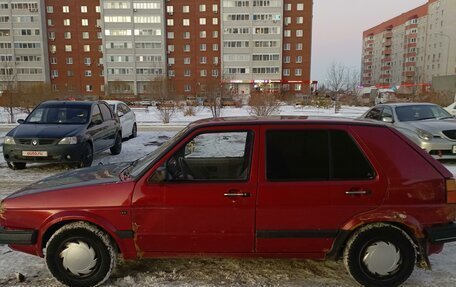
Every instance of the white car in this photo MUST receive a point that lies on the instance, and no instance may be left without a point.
(127, 118)
(451, 109)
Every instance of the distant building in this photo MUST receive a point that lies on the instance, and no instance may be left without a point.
(116, 48)
(410, 49)
(23, 46)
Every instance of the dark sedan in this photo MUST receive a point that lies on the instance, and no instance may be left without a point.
(63, 132)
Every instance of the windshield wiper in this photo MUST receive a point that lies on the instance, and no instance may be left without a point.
(445, 117)
(125, 174)
(428, 118)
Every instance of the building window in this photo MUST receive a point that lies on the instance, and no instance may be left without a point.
(299, 33)
(85, 35)
(215, 47)
(300, 6)
(187, 88)
(299, 46)
(298, 72)
(214, 21)
(186, 35)
(89, 88)
(87, 61)
(203, 73)
(69, 60)
(67, 35)
(203, 34)
(298, 59)
(53, 60)
(87, 73)
(66, 22)
(187, 48)
(50, 22)
(298, 87)
(170, 22)
(83, 9)
(186, 22)
(187, 73)
(50, 9)
(170, 35)
(85, 22)
(203, 47)
(186, 9)
(51, 36)
(66, 9)
(215, 8)
(187, 61)
(86, 48)
(68, 48)
(54, 73)
(202, 21)
(202, 8)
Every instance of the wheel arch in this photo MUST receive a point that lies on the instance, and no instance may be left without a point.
(55, 224)
(418, 240)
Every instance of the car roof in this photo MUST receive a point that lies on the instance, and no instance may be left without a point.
(283, 120)
(70, 103)
(114, 102)
(406, 104)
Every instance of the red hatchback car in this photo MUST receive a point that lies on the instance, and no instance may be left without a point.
(293, 187)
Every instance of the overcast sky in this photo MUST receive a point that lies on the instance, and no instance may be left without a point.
(338, 26)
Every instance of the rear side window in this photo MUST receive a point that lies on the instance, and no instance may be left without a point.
(106, 112)
(314, 155)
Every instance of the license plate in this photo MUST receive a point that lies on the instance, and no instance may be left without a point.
(454, 149)
(34, 153)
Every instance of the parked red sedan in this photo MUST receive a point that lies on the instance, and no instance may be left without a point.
(274, 187)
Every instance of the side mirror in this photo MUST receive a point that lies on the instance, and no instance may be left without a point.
(159, 176)
(120, 114)
(189, 148)
(96, 122)
(388, 120)
(21, 121)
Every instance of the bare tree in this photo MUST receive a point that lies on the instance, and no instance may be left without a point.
(212, 90)
(336, 77)
(352, 80)
(161, 90)
(263, 104)
(8, 79)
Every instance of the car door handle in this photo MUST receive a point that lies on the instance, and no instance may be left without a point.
(233, 193)
(358, 192)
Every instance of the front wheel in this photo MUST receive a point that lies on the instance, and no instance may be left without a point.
(117, 148)
(380, 255)
(86, 156)
(79, 254)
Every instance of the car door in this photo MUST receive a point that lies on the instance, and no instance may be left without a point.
(95, 129)
(109, 126)
(207, 202)
(127, 120)
(313, 180)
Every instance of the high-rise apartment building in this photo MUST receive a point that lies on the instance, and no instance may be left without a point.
(116, 48)
(411, 49)
(75, 51)
(133, 45)
(23, 46)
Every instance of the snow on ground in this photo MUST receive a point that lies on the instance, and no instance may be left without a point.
(199, 271)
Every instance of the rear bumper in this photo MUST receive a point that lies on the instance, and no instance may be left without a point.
(442, 234)
(18, 237)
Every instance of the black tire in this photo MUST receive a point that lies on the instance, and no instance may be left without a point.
(86, 156)
(16, 165)
(363, 247)
(134, 131)
(117, 147)
(95, 244)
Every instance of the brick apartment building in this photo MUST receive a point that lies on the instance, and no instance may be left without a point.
(92, 48)
(412, 48)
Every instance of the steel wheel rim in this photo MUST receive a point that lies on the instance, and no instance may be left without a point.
(381, 258)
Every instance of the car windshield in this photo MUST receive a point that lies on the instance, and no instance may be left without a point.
(142, 163)
(421, 112)
(59, 114)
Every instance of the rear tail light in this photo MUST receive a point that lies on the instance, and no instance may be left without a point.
(451, 190)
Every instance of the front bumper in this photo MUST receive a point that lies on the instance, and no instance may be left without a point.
(55, 153)
(18, 237)
(439, 148)
(442, 234)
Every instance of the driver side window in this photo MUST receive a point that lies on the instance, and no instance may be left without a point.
(221, 156)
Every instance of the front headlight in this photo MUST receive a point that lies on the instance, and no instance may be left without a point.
(69, 140)
(9, 140)
(424, 135)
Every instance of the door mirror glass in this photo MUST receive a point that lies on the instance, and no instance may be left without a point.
(120, 114)
(387, 120)
(21, 121)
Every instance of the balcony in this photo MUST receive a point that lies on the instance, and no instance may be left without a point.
(386, 68)
(386, 59)
(388, 34)
(387, 52)
(387, 43)
(409, 74)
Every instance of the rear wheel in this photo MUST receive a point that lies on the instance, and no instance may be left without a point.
(134, 131)
(16, 165)
(380, 255)
(80, 254)
(117, 148)
(86, 156)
